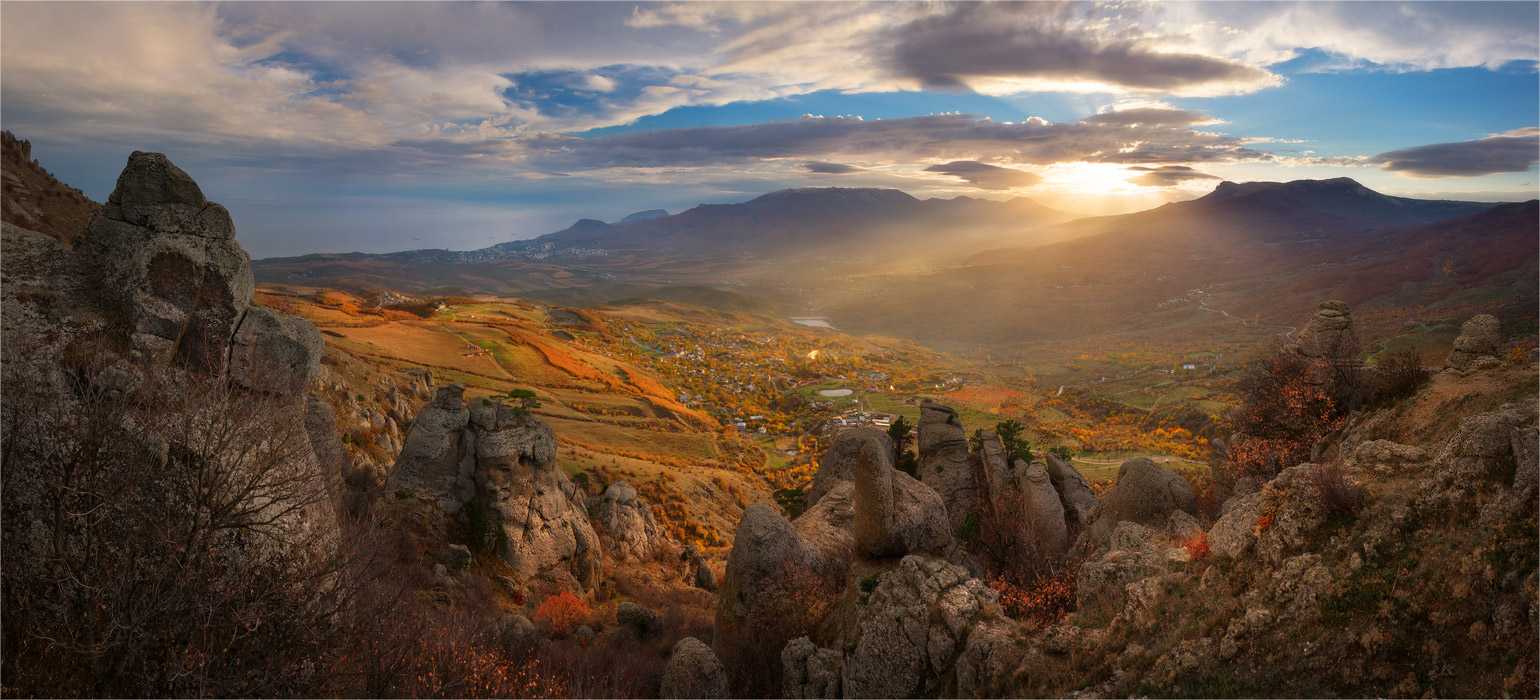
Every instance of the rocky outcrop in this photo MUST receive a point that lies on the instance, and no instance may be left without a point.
(1480, 341)
(275, 353)
(1235, 532)
(944, 464)
(1144, 493)
(326, 443)
(775, 582)
(910, 629)
(693, 671)
(1042, 520)
(1073, 489)
(642, 622)
(1385, 457)
(170, 267)
(503, 460)
(838, 465)
(895, 514)
(437, 458)
(1329, 332)
(633, 532)
(810, 672)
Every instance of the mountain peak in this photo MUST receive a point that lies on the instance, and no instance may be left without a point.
(1336, 185)
(644, 216)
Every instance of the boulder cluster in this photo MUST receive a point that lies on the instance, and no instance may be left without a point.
(873, 591)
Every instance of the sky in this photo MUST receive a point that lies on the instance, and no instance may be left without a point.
(383, 126)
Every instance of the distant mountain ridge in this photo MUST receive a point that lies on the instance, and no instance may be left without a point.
(789, 222)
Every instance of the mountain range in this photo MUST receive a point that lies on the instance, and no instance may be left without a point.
(983, 271)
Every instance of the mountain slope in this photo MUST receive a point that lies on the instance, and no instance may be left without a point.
(1259, 249)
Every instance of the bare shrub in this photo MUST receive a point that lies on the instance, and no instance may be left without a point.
(1400, 374)
(1338, 495)
(166, 534)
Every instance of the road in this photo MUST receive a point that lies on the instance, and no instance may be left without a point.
(1203, 303)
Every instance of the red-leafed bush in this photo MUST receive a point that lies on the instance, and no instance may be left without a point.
(1197, 547)
(561, 613)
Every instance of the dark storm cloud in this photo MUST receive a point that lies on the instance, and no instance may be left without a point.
(903, 140)
(985, 176)
(1047, 41)
(1510, 152)
(1168, 175)
(832, 168)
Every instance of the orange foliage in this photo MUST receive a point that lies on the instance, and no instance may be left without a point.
(1197, 547)
(1264, 522)
(560, 613)
(1045, 600)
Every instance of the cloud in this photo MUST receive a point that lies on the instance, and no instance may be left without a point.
(1400, 36)
(985, 176)
(1151, 116)
(823, 168)
(1051, 43)
(942, 137)
(1509, 152)
(1168, 175)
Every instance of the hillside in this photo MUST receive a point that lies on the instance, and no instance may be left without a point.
(34, 199)
(1255, 251)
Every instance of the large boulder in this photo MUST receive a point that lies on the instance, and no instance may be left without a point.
(1480, 340)
(838, 464)
(169, 265)
(438, 457)
(633, 532)
(911, 627)
(1329, 332)
(895, 514)
(944, 464)
(776, 587)
(1236, 531)
(1074, 490)
(1144, 493)
(275, 353)
(693, 671)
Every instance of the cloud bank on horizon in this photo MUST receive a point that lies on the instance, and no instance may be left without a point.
(473, 123)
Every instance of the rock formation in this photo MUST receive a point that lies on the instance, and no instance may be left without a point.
(693, 672)
(1144, 493)
(170, 267)
(503, 460)
(643, 622)
(1477, 347)
(838, 465)
(944, 464)
(275, 353)
(633, 533)
(1073, 489)
(907, 634)
(1329, 332)
(895, 514)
